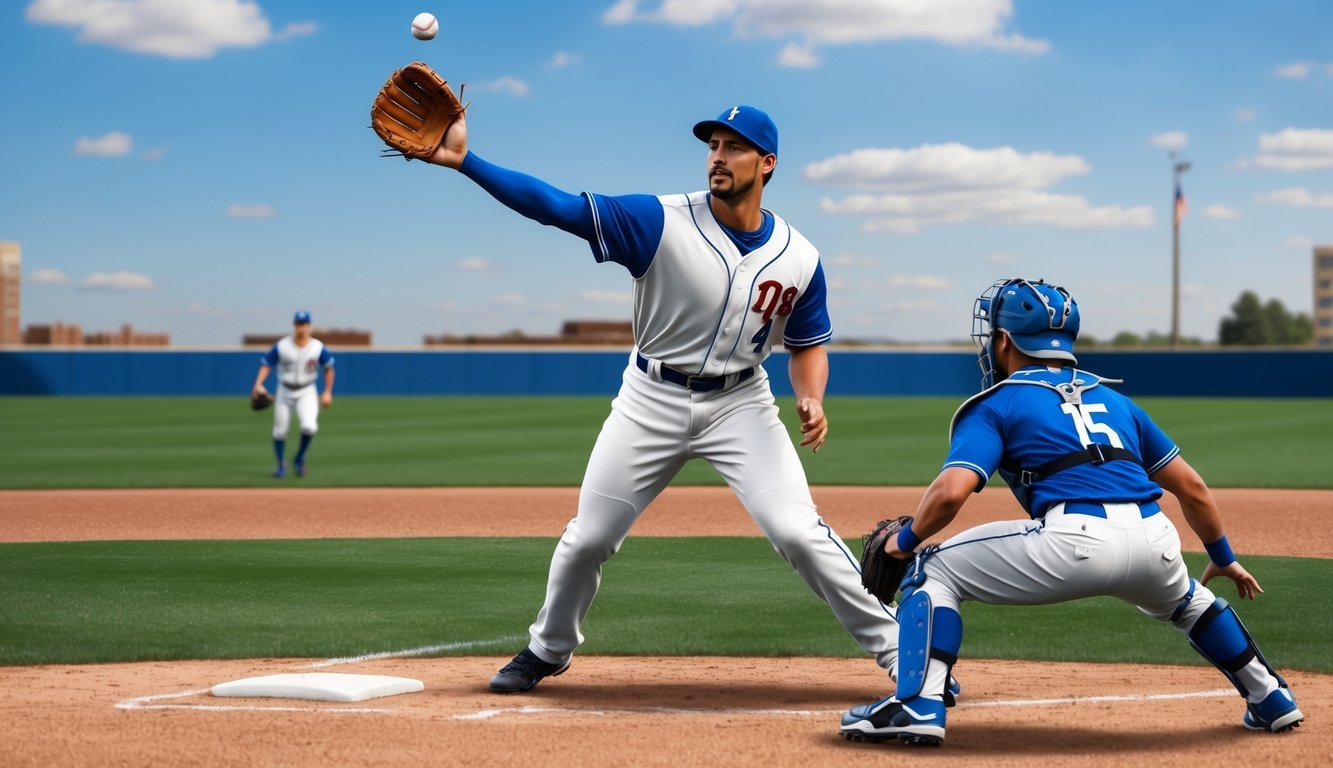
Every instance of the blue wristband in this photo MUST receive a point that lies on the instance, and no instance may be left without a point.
(908, 541)
(1220, 552)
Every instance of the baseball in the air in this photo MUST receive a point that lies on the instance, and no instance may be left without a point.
(424, 26)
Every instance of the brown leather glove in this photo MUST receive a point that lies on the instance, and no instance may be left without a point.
(260, 400)
(413, 111)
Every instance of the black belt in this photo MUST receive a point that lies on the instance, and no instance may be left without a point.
(691, 382)
(296, 386)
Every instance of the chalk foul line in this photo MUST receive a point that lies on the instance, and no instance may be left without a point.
(487, 714)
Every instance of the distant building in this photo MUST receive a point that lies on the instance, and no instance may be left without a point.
(71, 335)
(575, 333)
(11, 263)
(1323, 296)
(333, 337)
(57, 335)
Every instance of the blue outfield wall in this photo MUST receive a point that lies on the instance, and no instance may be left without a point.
(1190, 373)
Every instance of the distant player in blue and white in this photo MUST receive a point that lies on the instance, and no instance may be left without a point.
(717, 280)
(298, 359)
(1088, 465)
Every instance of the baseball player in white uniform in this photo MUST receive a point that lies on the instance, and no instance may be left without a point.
(298, 359)
(1088, 465)
(717, 281)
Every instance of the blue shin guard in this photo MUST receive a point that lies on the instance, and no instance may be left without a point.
(925, 634)
(1220, 637)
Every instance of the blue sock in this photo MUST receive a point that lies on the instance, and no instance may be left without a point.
(305, 443)
(279, 446)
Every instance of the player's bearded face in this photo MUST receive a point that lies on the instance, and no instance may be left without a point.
(733, 167)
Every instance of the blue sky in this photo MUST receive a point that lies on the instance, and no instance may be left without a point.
(204, 167)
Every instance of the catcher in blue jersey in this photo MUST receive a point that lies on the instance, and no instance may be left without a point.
(1088, 465)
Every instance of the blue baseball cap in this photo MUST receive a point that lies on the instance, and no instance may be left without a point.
(302, 316)
(753, 124)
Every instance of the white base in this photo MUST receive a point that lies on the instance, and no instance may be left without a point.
(319, 686)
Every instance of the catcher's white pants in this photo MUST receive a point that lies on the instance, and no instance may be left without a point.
(653, 428)
(306, 402)
(1067, 557)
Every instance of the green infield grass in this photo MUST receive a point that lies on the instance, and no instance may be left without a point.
(98, 442)
(132, 600)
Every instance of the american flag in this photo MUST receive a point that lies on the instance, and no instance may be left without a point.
(1182, 207)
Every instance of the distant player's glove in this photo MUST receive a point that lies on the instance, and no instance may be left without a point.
(881, 572)
(260, 400)
(413, 111)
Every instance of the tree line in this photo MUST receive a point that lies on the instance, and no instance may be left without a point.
(1252, 323)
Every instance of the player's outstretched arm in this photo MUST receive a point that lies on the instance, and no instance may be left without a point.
(1205, 519)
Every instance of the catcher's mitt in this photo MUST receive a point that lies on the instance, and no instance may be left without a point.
(881, 572)
(260, 400)
(413, 111)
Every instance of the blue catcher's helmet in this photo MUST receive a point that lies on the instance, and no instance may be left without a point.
(1041, 319)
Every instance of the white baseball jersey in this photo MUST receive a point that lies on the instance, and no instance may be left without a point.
(700, 305)
(297, 367)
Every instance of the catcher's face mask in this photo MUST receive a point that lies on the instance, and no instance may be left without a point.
(1041, 320)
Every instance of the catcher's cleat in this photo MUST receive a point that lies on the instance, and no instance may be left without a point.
(280, 472)
(524, 672)
(916, 721)
(1276, 713)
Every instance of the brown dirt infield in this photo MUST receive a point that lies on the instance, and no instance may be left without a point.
(610, 710)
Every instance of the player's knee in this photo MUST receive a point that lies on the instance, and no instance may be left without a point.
(309, 431)
(1193, 605)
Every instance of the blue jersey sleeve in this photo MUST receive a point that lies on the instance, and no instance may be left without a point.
(977, 443)
(1158, 449)
(325, 358)
(628, 230)
(531, 196)
(270, 359)
(809, 324)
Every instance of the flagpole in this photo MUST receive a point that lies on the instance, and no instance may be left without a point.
(1177, 201)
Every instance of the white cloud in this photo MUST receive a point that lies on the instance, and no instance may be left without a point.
(852, 260)
(116, 281)
(154, 153)
(563, 59)
(114, 144)
(180, 30)
(47, 277)
(920, 282)
(940, 184)
(797, 56)
(1170, 140)
(1220, 212)
(511, 85)
(261, 211)
(1245, 114)
(474, 265)
(509, 299)
(1294, 149)
(1298, 70)
(1296, 197)
(1299, 242)
(912, 306)
(966, 23)
(944, 167)
(606, 297)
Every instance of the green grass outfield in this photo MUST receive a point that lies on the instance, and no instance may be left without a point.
(133, 600)
(138, 442)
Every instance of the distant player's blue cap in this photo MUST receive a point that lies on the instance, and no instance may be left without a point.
(753, 124)
(301, 318)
